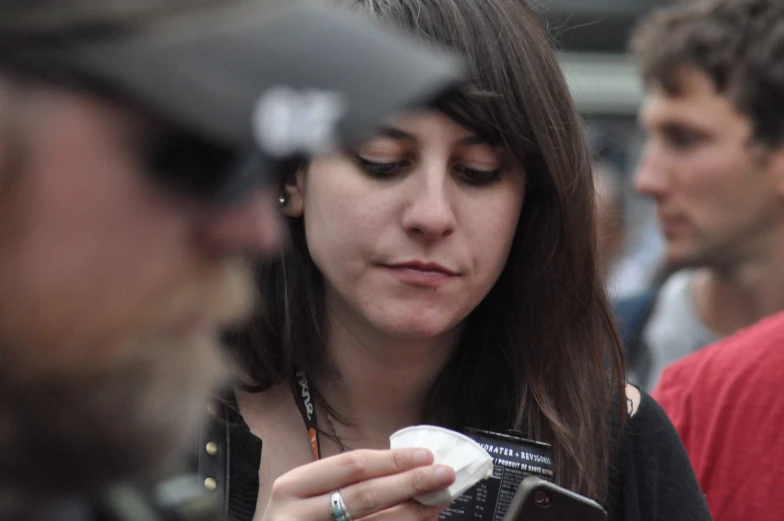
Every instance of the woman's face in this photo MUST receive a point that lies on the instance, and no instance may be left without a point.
(412, 229)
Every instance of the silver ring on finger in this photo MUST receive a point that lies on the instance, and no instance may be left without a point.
(338, 507)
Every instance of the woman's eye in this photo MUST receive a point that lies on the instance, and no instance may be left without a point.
(478, 177)
(381, 169)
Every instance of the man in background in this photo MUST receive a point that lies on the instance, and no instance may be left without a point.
(138, 143)
(714, 163)
(725, 400)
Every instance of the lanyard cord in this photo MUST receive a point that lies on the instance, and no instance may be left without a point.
(307, 409)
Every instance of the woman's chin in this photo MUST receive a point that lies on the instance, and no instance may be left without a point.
(416, 329)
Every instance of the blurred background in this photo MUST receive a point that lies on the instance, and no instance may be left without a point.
(593, 37)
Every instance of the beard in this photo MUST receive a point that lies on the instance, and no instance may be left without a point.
(121, 411)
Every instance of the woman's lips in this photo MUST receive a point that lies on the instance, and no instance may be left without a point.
(419, 273)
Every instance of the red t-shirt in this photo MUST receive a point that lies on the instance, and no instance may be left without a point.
(726, 402)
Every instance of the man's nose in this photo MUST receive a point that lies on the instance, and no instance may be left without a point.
(651, 176)
(255, 226)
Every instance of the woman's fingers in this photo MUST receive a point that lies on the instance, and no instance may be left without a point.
(324, 476)
(379, 494)
(408, 511)
(368, 497)
(371, 483)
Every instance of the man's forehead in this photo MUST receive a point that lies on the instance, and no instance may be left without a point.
(694, 100)
(688, 81)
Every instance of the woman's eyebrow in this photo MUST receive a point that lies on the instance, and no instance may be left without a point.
(396, 133)
(475, 139)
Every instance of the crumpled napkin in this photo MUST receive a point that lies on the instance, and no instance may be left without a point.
(469, 460)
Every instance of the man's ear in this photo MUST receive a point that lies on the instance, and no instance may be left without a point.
(293, 187)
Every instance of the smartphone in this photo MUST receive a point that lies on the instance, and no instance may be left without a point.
(540, 500)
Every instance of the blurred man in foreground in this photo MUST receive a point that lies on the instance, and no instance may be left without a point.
(138, 142)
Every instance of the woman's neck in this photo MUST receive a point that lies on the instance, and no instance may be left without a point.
(378, 385)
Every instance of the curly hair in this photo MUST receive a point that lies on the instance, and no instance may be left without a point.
(738, 44)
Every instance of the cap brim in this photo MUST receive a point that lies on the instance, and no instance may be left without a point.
(211, 74)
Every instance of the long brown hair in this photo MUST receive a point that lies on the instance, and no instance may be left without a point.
(536, 352)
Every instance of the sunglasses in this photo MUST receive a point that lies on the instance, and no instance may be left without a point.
(192, 166)
(176, 158)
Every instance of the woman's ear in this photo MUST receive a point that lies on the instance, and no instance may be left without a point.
(292, 198)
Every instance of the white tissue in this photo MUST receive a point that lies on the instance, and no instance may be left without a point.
(469, 460)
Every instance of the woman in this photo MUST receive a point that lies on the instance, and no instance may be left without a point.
(444, 272)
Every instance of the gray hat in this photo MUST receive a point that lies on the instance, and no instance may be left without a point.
(280, 77)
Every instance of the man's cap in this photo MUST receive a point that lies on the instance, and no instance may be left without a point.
(29, 18)
(286, 76)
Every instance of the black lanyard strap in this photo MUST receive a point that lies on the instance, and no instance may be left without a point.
(307, 408)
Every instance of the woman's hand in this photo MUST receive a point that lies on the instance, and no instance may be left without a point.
(375, 484)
